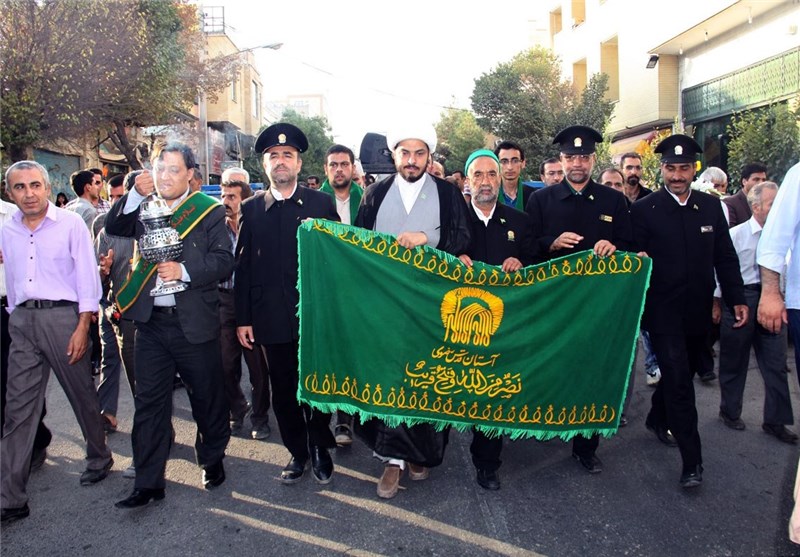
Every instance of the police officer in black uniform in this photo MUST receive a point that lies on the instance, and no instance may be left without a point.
(266, 294)
(575, 215)
(501, 235)
(685, 233)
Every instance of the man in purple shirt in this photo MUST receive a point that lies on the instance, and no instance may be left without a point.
(53, 288)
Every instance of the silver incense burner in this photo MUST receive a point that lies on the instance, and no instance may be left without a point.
(160, 242)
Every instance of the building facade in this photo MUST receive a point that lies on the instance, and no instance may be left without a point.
(695, 63)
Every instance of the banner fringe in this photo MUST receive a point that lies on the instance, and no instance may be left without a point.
(439, 425)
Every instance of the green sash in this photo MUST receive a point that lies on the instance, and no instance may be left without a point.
(355, 196)
(184, 218)
(519, 202)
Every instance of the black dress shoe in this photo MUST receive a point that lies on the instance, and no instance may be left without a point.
(213, 475)
(139, 498)
(321, 464)
(663, 434)
(294, 471)
(592, 464)
(732, 423)
(14, 513)
(692, 476)
(781, 432)
(488, 479)
(708, 376)
(90, 477)
(237, 426)
(623, 421)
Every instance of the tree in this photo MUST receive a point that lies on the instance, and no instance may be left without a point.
(651, 161)
(167, 76)
(316, 129)
(458, 135)
(527, 101)
(593, 109)
(52, 70)
(76, 68)
(769, 135)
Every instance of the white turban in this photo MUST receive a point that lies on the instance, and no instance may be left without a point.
(425, 133)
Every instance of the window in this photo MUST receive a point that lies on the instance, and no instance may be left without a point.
(256, 100)
(578, 12)
(609, 65)
(555, 22)
(579, 76)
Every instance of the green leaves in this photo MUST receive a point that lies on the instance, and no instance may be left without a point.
(458, 135)
(317, 130)
(769, 135)
(527, 100)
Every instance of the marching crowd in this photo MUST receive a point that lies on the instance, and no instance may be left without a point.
(232, 295)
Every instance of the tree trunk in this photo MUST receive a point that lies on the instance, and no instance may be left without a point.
(19, 153)
(119, 136)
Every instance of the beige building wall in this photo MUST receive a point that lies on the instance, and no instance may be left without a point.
(696, 41)
(241, 103)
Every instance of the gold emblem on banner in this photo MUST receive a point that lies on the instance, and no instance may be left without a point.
(471, 316)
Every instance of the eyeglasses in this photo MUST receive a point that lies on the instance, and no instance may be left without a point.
(514, 162)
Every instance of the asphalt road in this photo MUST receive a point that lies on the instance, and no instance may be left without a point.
(548, 504)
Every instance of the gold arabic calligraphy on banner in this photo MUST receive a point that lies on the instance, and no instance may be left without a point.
(451, 268)
(413, 400)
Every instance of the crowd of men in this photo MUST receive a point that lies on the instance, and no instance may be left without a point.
(232, 295)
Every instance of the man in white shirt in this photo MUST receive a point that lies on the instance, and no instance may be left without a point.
(6, 210)
(43, 434)
(780, 235)
(735, 343)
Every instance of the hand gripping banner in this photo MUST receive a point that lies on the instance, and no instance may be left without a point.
(415, 336)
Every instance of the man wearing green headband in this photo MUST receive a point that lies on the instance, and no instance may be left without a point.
(501, 236)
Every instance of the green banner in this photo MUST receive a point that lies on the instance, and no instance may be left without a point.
(415, 336)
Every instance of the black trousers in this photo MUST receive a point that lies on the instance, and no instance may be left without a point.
(486, 451)
(301, 426)
(232, 353)
(161, 350)
(673, 402)
(585, 446)
(734, 359)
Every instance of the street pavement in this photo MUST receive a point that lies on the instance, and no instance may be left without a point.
(548, 504)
